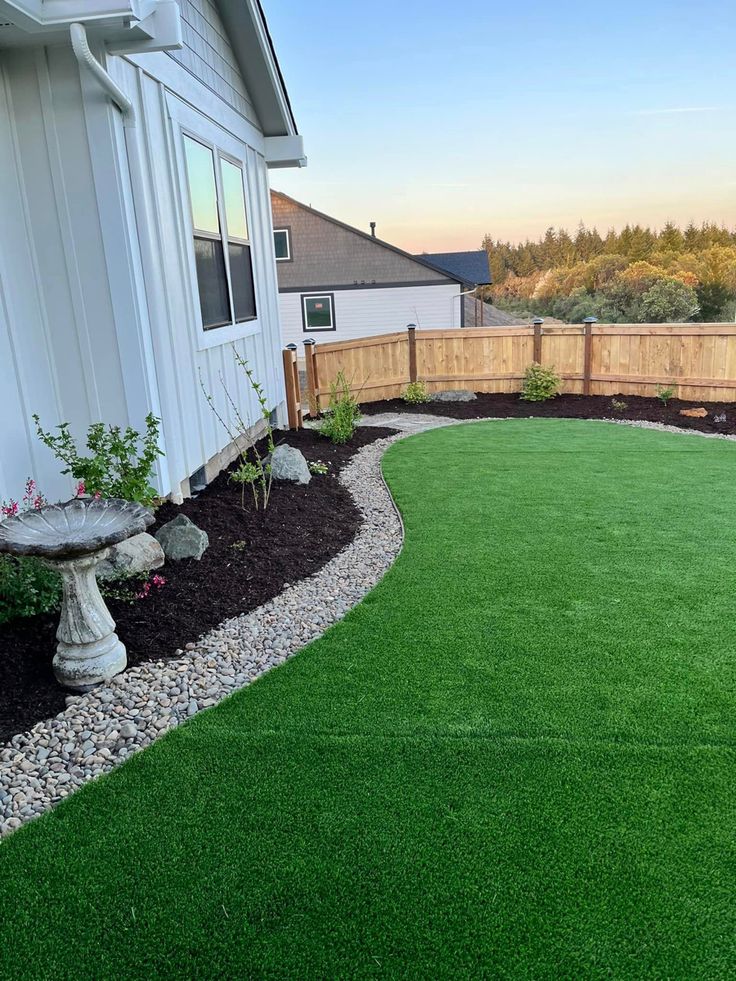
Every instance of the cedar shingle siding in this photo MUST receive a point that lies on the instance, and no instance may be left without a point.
(325, 253)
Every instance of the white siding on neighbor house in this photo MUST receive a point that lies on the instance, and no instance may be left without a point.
(87, 333)
(364, 312)
(208, 54)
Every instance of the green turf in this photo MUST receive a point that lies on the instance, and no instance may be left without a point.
(515, 759)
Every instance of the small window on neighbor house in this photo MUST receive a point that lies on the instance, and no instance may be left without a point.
(221, 241)
(282, 244)
(318, 312)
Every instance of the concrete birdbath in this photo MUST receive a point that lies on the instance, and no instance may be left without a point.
(73, 538)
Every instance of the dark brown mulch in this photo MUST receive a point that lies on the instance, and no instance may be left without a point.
(574, 407)
(303, 528)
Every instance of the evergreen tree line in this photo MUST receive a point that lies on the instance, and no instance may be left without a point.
(636, 275)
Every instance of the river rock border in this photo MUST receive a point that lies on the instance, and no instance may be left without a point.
(100, 730)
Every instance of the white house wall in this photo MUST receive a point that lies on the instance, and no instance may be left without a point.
(365, 312)
(89, 331)
(57, 315)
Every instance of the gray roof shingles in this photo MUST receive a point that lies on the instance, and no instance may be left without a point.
(470, 267)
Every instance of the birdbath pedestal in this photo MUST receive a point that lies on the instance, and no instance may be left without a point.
(73, 538)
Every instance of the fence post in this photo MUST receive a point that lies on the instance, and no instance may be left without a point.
(293, 393)
(537, 339)
(412, 332)
(588, 353)
(312, 381)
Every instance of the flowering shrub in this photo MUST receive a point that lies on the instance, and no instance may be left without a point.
(120, 461)
(416, 393)
(131, 588)
(27, 586)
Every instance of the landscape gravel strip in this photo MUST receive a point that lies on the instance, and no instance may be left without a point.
(101, 729)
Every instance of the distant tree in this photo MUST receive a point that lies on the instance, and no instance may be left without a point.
(670, 239)
(669, 301)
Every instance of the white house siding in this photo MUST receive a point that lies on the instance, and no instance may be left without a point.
(208, 54)
(364, 312)
(57, 326)
(79, 315)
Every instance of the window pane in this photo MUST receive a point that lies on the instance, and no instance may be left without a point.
(213, 298)
(281, 244)
(318, 312)
(202, 189)
(232, 189)
(241, 274)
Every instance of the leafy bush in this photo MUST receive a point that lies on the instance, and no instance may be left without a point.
(343, 413)
(540, 383)
(665, 394)
(253, 470)
(618, 405)
(120, 463)
(416, 393)
(27, 587)
(669, 301)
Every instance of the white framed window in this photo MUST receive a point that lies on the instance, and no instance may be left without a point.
(318, 312)
(222, 245)
(282, 244)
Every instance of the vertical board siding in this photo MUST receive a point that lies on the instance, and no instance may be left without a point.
(208, 55)
(697, 360)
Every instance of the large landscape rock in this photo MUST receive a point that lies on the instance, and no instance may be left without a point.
(288, 463)
(456, 395)
(138, 554)
(182, 539)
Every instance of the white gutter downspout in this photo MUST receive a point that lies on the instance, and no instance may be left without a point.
(141, 205)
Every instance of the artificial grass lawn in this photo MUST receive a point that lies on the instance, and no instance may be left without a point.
(514, 759)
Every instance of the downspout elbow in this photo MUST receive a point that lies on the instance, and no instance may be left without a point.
(83, 54)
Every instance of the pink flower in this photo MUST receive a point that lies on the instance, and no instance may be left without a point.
(9, 509)
(97, 495)
(81, 488)
(144, 592)
(158, 581)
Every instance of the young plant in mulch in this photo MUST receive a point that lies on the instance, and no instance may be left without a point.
(252, 471)
(665, 394)
(618, 405)
(27, 585)
(130, 589)
(416, 393)
(540, 383)
(343, 413)
(119, 462)
(318, 467)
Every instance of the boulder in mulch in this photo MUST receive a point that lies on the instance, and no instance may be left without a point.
(138, 554)
(289, 463)
(455, 395)
(182, 539)
(700, 413)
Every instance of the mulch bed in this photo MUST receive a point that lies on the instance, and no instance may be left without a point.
(252, 555)
(574, 407)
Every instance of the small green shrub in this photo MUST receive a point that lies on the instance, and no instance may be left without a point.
(618, 405)
(318, 467)
(343, 414)
(540, 383)
(665, 394)
(27, 587)
(416, 393)
(120, 462)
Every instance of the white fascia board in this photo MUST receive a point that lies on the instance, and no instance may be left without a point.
(285, 151)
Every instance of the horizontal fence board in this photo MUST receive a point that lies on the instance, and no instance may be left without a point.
(697, 360)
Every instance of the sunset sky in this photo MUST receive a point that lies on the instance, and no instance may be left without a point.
(444, 122)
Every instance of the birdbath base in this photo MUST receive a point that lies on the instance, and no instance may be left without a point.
(89, 651)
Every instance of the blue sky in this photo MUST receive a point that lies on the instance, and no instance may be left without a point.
(444, 121)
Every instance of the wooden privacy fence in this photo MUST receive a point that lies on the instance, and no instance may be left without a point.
(698, 360)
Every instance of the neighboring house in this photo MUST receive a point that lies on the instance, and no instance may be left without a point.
(337, 282)
(135, 225)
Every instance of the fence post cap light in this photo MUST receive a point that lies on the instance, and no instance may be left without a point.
(590, 320)
(538, 321)
(410, 325)
(309, 340)
(291, 347)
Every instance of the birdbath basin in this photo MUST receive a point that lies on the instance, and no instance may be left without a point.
(73, 538)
